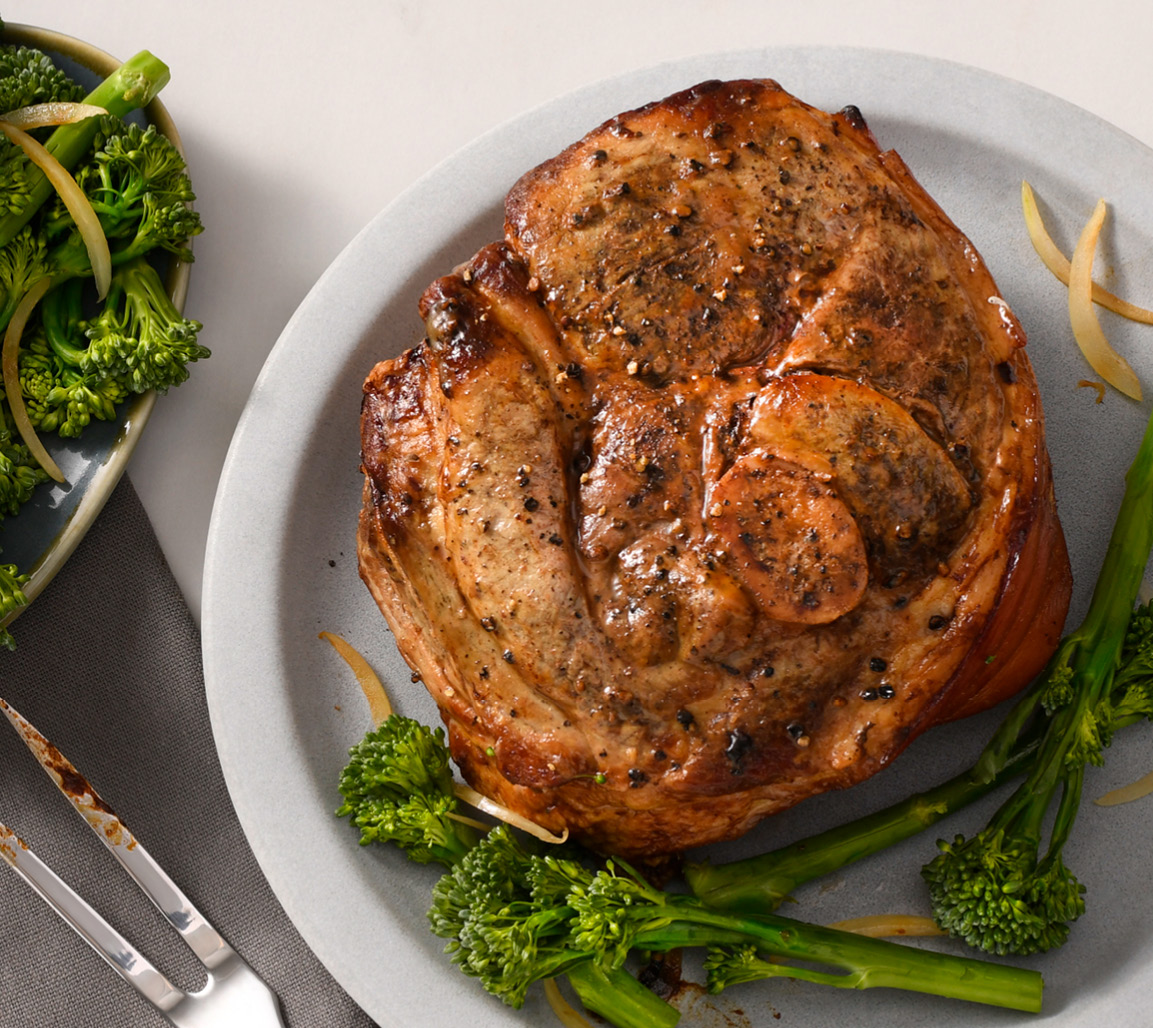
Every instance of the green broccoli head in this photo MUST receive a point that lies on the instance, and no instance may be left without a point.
(39, 372)
(552, 879)
(138, 185)
(1059, 690)
(140, 338)
(397, 787)
(398, 759)
(23, 263)
(20, 473)
(19, 476)
(735, 965)
(73, 401)
(12, 598)
(614, 908)
(1132, 696)
(27, 76)
(57, 396)
(992, 892)
(502, 909)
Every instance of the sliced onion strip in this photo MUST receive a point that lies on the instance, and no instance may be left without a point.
(10, 362)
(1104, 360)
(565, 1012)
(475, 799)
(882, 926)
(464, 819)
(1052, 257)
(74, 199)
(1127, 793)
(379, 705)
(56, 112)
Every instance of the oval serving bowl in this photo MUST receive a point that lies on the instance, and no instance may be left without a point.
(50, 526)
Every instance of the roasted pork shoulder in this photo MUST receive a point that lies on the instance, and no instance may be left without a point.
(716, 482)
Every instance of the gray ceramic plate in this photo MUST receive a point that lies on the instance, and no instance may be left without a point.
(50, 526)
(281, 564)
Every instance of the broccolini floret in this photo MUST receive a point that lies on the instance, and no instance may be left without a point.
(138, 185)
(59, 394)
(19, 476)
(11, 599)
(72, 371)
(1131, 697)
(131, 86)
(139, 338)
(24, 262)
(397, 788)
(19, 472)
(27, 76)
(514, 912)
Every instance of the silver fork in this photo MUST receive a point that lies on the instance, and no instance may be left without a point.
(234, 996)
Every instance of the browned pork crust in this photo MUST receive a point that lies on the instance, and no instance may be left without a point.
(714, 484)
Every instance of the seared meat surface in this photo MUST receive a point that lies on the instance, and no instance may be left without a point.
(716, 482)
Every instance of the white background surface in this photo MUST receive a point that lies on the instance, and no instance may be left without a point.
(302, 120)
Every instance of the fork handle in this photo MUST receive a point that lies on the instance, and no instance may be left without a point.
(119, 953)
(204, 940)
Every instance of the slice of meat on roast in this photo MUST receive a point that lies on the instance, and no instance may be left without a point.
(716, 482)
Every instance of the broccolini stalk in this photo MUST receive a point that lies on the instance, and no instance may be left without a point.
(133, 85)
(513, 917)
(759, 884)
(999, 890)
(619, 998)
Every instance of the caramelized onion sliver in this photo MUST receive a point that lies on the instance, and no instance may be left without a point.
(55, 112)
(379, 705)
(472, 822)
(1127, 793)
(1052, 257)
(565, 1012)
(10, 363)
(1104, 360)
(881, 926)
(87, 223)
(475, 799)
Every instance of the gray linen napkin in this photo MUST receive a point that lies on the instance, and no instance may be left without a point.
(108, 667)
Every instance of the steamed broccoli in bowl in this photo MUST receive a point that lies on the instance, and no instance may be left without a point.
(82, 356)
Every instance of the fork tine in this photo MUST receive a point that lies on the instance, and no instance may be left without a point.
(200, 936)
(119, 953)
